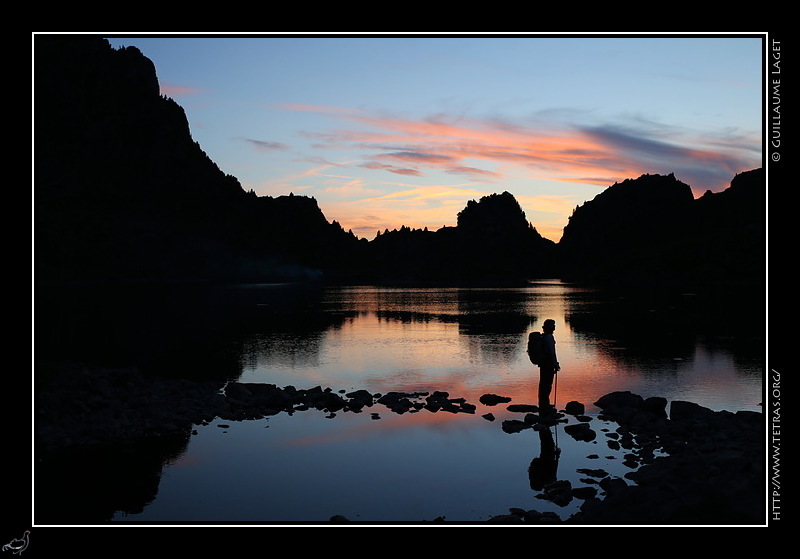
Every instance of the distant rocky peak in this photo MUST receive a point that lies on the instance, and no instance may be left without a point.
(648, 189)
(496, 211)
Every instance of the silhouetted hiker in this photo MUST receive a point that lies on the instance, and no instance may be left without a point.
(548, 366)
(543, 468)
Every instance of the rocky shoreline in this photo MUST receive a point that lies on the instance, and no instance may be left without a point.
(695, 466)
(710, 470)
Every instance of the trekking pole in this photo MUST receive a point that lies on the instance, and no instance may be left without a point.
(555, 394)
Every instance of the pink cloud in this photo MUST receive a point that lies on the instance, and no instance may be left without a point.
(599, 155)
(391, 168)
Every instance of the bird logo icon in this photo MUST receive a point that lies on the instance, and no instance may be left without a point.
(18, 545)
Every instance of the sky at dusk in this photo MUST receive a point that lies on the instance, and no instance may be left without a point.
(391, 131)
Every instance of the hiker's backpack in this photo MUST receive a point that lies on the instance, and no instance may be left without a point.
(535, 347)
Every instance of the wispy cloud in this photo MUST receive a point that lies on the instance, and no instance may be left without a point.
(374, 165)
(593, 153)
(265, 145)
(702, 160)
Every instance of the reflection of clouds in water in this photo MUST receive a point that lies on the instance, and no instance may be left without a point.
(472, 341)
(713, 376)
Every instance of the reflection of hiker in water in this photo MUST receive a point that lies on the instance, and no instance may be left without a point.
(543, 468)
(542, 351)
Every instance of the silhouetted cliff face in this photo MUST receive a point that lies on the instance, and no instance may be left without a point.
(493, 243)
(730, 228)
(123, 192)
(652, 230)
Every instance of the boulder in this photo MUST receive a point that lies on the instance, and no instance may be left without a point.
(514, 425)
(655, 405)
(575, 408)
(524, 408)
(619, 402)
(359, 399)
(681, 411)
(493, 399)
(580, 432)
(558, 492)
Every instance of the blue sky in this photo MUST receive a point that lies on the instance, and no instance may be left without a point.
(390, 131)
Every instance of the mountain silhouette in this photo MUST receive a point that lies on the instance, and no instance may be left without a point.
(492, 243)
(652, 230)
(123, 193)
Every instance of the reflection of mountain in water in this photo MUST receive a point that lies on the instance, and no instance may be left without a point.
(91, 485)
(492, 321)
(495, 321)
(173, 330)
(159, 329)
(214, 331)
(476, 311)
(667, 325)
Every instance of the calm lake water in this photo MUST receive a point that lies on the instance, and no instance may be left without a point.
(412, 467)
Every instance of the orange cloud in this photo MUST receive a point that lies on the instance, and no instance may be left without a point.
(475, 148)
(414, 206)
(598, 154)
